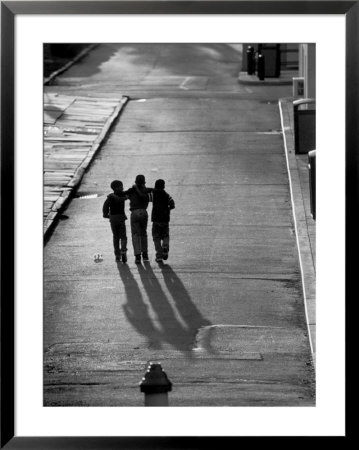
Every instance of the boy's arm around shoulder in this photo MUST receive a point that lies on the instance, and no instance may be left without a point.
(147, 194)
(136, 188)
(127, 193)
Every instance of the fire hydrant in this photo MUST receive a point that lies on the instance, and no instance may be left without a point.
(155, 386)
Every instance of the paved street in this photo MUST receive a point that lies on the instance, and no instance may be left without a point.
(225, 314)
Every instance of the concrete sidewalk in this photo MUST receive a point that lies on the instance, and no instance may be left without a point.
(74, 129)
(304, 223)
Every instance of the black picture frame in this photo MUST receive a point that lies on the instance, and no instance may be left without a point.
(9, 9)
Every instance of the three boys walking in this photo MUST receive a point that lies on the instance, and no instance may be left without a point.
(139, 196)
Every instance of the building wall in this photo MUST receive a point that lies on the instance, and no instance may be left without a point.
(289, 56)
(307, 68)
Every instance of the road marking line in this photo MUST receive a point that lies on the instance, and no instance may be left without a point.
(182, 85)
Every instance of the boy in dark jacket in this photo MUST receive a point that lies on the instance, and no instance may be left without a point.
(162, 205)
(114, 209)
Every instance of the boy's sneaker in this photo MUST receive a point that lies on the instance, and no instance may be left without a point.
(138, 259)
(117, 258)
(124, 257)
(145, 256)
(158, 260)
(165, 253)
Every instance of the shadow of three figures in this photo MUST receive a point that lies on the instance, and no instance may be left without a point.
(174, 322)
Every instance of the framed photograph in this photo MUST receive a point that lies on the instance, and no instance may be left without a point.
(228, 312)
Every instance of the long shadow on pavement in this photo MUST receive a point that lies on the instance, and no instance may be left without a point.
(136, 309)
(173, 332)
(184, 304)
(167, 328)
(180, 336)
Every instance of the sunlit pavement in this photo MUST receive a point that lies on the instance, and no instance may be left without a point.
(225, 314)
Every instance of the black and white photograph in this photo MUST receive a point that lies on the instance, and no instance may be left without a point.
(169, 238)
(179, 224)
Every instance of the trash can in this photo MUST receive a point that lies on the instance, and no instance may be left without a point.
(271, 53)
(312, 168)
(304, 125)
